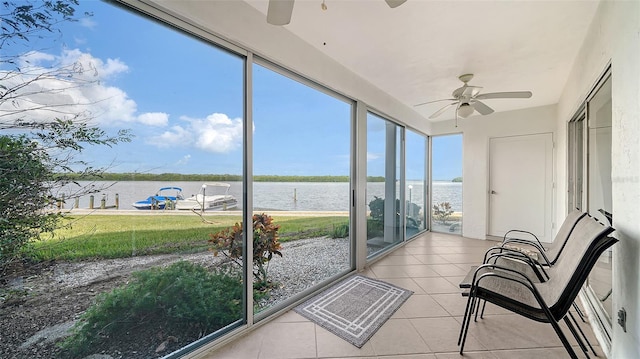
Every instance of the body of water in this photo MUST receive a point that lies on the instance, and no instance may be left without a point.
(281, 196)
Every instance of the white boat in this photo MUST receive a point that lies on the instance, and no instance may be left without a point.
(212, 197)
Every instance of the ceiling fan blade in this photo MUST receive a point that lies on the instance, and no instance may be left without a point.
(428, 102)
(471, 91)
(514, 94)
(442, 110)
(481, 108)
(279, 12)
(395, 3)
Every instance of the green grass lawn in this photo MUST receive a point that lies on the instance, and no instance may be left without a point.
(119, 236)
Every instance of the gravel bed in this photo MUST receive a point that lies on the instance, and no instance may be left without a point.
(305, 263)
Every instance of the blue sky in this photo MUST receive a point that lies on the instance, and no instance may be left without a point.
(183, 101)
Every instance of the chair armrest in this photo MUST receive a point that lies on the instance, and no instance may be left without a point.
(535, 266)
(506, 236)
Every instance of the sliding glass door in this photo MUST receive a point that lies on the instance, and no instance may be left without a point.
(590, 190)
(446, 183)
(302, 184)
(385, 215)
(416, 183)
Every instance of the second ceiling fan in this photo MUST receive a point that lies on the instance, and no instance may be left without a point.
(279, 11)
(466, 99)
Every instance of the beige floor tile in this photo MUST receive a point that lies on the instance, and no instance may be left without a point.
(441, 334)
(290, 317)
(464, 258)
(409, 356)
(422, 306)
(445, 250)
(288, 340)
(406, 283)
(513, 331)
(437, 285)
(246, 347)
(398, 260)
(537, 353)
(420, 270)
(453, 303)
(396, 337)
(330, 345)
(447, 270)
(471, 355)
(430, 258)
(455, 280)
(382, 271)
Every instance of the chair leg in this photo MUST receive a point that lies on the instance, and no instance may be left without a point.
(484, 305)
(464, 329)
(563, 338)
(582, 333)
(468, 312)
(573, 331)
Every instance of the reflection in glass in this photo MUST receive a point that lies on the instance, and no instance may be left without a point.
(599, 189)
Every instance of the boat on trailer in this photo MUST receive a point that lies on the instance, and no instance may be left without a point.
(212, 197)
(165, 198)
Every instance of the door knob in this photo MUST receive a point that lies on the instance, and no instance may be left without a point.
(493, 192)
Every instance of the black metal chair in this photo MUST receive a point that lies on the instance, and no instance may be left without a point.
(547, 301)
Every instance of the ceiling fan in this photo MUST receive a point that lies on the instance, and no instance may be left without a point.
(279, 11)
(467, 98)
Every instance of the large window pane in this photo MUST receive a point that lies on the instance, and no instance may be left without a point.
(416, 172)
(384, 224)
(301, 166)
(599, 190)
(446, 186)
(136, 283)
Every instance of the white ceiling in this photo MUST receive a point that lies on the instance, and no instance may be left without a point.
(416, 52)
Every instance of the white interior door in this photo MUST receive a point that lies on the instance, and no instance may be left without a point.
(521, 184)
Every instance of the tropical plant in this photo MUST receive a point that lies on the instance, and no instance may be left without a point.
(265, 245)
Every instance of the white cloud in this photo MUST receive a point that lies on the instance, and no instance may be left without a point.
(372, 156)
(82, 87)
(216, 133)
(154, 119)
(184, 160)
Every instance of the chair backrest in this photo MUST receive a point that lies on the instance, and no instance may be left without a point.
(560, 241)
(588, 240)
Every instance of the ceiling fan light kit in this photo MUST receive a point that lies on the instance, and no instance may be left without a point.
(466, 99)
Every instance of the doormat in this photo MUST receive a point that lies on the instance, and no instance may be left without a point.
(355, 308)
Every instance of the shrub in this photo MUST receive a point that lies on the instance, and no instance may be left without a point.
(265, 245)
(376, 206)
(182, 299)
(25, 192)
(442, 211)
(340, 231)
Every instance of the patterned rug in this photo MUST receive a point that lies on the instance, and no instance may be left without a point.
(355, 308)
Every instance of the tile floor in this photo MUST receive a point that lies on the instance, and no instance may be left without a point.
(425, 327)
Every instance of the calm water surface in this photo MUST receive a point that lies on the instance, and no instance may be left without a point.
(282, 196)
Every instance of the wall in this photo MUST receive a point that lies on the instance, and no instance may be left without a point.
(614, 37)
(477, 130)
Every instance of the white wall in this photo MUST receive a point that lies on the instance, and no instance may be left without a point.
(614, 37)
(476, 132)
